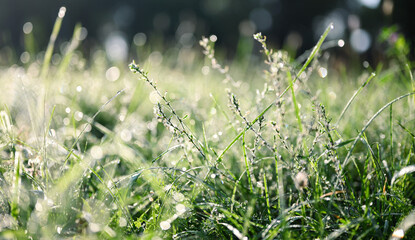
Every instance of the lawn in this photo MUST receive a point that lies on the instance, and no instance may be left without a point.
(183, 146)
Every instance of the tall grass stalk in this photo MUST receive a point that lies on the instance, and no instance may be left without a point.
(354, 96)
(136, 69)
(51, 44)
(248, 171)
(267, 197)
(297, 111)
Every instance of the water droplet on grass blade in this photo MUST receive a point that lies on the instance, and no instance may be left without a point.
(27, 27)
(180, 208)
(78, 116)
(178, 197)
(126, 135)
(96, 152)
(322, 72)
(213, 38)
(165, 225)
(122, 222)
(25, 57)
(94, 227)
(62, 12)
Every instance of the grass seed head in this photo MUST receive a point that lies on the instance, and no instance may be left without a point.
(301, 180)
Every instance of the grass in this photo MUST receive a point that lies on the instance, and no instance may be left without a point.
(240, 153)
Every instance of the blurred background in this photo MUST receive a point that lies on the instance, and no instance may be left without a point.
(118, 26)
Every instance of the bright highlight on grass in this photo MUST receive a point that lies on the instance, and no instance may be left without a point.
(165, 225)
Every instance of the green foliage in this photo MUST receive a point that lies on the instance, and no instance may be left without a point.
(83, 157)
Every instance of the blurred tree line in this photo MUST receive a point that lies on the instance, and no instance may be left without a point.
(292, 24)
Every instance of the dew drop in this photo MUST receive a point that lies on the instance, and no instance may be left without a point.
(62, 12)
(25, 57)
(66, 121)
(165, 225)
(322, 72)
(96, 152)
(27, 27)
(94, 227)
(180, 208)
(213, 38)
(78, 116)
(126, 135)
(178, 197)
(122, 222)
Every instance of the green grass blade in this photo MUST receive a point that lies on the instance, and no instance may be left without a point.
(346, 160)
(116, 197)
(72, 47)
(43, 171)
(391, 133)
(313, 53)
(16, 185)
(297, 111)
(353, 97)
(51, 44)
(70, 151)
(267, 198)
(247, 164)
